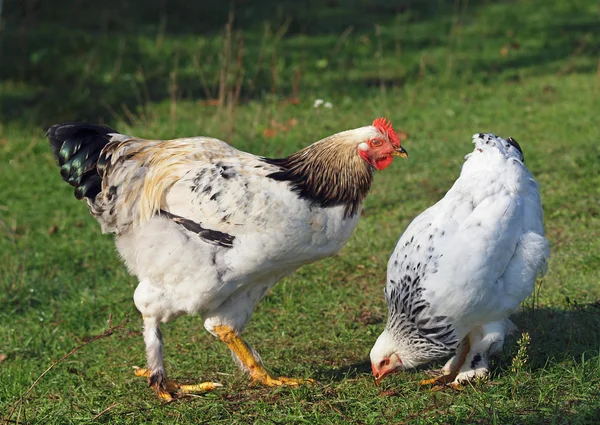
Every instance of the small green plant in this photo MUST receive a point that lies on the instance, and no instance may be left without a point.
(519, 361)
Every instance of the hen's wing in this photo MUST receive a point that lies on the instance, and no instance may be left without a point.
(138, 176)
(205, 185)
(232, 194)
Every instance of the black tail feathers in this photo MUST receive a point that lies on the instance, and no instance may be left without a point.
(77, 146)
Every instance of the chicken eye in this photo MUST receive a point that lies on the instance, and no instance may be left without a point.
(376, 142)
(384, 362)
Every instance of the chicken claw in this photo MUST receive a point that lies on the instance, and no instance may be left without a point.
(439, 380)
(171, 390)
(269, 381)
(454, 385)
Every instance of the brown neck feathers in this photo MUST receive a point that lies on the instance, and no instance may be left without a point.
(328, 173)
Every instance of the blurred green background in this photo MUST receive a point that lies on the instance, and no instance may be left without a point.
(88, 60)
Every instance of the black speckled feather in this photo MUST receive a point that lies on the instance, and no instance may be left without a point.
(222, 239)
(408, 309)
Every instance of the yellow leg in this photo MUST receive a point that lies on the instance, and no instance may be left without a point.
(447, 378)
(170, 389)
(254, 366)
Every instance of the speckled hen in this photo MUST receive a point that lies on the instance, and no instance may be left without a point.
(208, 229)
(463, 266)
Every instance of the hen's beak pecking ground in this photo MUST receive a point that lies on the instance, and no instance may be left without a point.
(401, 152)
(385, 367)
(380, 374)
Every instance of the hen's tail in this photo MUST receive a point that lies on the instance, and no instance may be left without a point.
(77, 146)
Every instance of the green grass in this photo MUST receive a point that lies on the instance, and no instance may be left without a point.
(441, 76)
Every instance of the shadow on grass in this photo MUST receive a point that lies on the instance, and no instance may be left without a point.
(342, 373)
(559, 335)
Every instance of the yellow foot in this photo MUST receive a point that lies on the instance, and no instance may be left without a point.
(269, 381)
(438, 380)
(454, 385)
(441, 382)
(169, 390)
(446, 377)
(141, 371)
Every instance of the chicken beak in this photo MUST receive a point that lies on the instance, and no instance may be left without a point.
(377, 375)
(401, 152)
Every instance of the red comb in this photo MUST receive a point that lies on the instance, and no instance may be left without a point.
(384, 126)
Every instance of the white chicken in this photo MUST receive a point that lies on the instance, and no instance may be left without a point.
(463, 266)
(208, 229)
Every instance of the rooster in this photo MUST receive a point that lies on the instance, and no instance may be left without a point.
(208, 229)
(463, 266)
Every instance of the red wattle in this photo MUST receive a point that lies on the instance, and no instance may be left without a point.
(382, 163)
